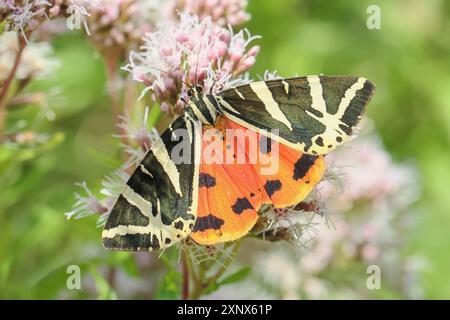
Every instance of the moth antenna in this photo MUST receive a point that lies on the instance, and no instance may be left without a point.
(196, 65)
(196, 71)
(166, 72)
(212, 86)
(183, 99)
(187, 83)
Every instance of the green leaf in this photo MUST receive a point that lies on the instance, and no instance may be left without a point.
(2, 27)
(169, 288)
(155, 112)
(212, 287)
(13, 154)
(103, 158)
(124, 260)
(170, 258)
(236, 277)
(104, 290)
(233, 278)
(170, 285)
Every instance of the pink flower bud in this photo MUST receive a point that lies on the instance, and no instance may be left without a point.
(210, 4)
(165, 107)
(217, 12)
(192, 50)
(54, 11)
(253, 51)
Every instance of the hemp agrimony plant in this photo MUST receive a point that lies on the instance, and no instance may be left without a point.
(150, 49)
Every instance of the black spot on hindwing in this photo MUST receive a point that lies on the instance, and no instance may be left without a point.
(272, 186)
(206, 180)
(208, 222)
(302, 166)
(240, 205)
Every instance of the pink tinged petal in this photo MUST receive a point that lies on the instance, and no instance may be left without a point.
(217, 12)
(196, 77)
(169, 84)
(165, 107)
(220, 50)
(236, 51)
(224, 36)
(370, 252)
(245, 64)
(181, 37)
(233, 20)
(253, 51)
(166, 50)
(54, 11)
(180, 104)
(369, 231)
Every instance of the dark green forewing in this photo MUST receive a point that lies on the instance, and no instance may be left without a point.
(158, 205)
(314, 114)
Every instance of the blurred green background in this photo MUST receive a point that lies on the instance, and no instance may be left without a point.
(408, 60)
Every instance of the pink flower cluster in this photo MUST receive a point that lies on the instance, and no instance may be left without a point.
(222, 12)
(190, 50)
(23, 15)
(370, 175)
(117, 26)
(27, 15)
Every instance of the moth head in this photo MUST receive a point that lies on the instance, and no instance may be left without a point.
(195, 92)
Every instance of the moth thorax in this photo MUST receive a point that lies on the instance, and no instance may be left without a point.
(205, 108)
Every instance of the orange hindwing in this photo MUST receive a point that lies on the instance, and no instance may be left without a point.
(261, 171)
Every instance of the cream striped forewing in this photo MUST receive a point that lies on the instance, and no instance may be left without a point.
(313, 114)
(158, 204)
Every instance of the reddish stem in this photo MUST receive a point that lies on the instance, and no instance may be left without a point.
(185, 289)
(113, 78)
(111, 277)
(22, 43)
